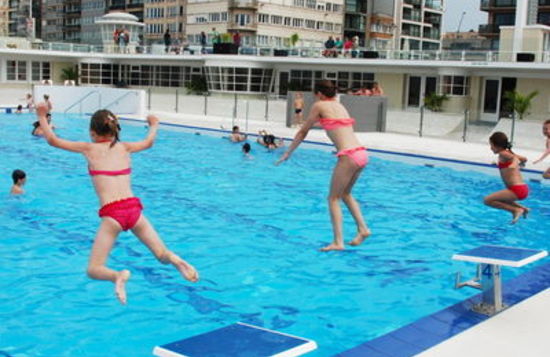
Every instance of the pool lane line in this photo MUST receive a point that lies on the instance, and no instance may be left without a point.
(379, 151)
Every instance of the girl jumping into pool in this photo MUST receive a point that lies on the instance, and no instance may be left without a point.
(109, 167)
(352, 158)
(509, 165)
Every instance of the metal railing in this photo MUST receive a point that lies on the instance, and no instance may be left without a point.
(79, 101)
(302, 52)
(117, 100)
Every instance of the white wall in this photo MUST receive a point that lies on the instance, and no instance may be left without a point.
(119, 101)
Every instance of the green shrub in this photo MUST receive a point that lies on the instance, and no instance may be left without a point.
(434, 101)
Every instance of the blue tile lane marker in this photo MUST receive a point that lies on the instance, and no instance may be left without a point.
(238, 340)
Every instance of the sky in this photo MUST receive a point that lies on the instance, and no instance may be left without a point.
(472, 18)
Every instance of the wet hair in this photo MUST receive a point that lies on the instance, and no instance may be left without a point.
(269, 139)
(19, 107)
(500, 140)
(235, 128)
(326, 88)
(246, 148)
(105, 123)
(17, 175)
(46, 96)
(546, 122)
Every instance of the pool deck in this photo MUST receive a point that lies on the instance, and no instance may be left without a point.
(527, 324)
(521, 330)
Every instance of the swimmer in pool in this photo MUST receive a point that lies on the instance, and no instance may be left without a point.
(546, 133)
(352, 159)
(109, 167)
(236, 136)
(19, 179)
(509, 165)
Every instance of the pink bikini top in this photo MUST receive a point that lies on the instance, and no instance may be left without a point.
(331, 124)
(110, 172)
(504, 164)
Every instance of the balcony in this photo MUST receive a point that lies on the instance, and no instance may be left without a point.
(497, 4)
(243, 4)
(411, 32)
(434, 20)
(232, 25)
(432, 34)
(412, 16)
(413, 2)
(433, 5)
(489, 29)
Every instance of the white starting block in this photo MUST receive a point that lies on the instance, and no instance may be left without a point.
(489, 259)
(238, 340)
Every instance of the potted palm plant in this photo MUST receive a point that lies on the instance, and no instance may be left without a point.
(519, 104)
(69, 74)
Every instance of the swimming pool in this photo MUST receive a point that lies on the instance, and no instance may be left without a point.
(252, 230)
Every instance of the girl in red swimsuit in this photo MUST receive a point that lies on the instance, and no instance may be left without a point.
(352, 158)
(109, 166)
(509, 166)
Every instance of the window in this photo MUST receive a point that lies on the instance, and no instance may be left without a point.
(311, 4)
(276, 20)
(263, 18)
(455, 85)
(214, 17)
(40, 71)
(287, 21)
(297, 22)
(16, 70)
(310, 24)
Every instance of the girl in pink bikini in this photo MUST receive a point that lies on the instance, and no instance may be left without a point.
(109, 166)
(352, 158)
(509, 166)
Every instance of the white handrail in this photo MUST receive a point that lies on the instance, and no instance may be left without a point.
(82, 99)
(120, 98)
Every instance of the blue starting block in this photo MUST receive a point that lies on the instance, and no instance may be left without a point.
(490, 258)
(238, 340)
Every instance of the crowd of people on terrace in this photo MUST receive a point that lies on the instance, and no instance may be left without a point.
(336, 47)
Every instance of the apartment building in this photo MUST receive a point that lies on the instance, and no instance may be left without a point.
(503, 13)
(4, 17)
(19, 18)
(134, 7)
(404, 24)
(91, 10)
(267, 23)
(160, 15)
(420, 24)
(62, 21)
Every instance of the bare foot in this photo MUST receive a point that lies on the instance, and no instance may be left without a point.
(517, 215)
(332, 246)
(187, 270)
(120, 285)
(526, 212)
(360, 237)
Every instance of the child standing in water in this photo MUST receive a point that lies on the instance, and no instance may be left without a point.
(352, 159)
(109, 167)
(298, 108)
(545, 132)
(509, 166)
(19, 178)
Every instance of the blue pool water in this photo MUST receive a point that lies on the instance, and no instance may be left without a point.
(252, 230)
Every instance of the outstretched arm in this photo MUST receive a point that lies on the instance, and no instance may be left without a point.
(153, 122)
(52, 139)
(312, 118)
(545, 153)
